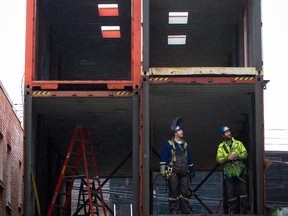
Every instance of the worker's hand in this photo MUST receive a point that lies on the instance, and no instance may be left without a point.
(235, 155)
(231, 157)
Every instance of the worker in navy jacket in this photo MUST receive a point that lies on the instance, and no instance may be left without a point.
(177, 166)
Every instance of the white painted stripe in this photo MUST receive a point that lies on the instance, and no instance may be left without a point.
(178, 14)
(100, 6)
(178, 18)
(110, 28)
(176, 39)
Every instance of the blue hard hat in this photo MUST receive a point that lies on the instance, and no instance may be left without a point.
(224, 128)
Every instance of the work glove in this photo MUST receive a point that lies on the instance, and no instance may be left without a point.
(191, 174)
(163, 170)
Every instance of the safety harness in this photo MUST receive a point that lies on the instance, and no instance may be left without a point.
(234, 165)
(173, 151)
(178, 163)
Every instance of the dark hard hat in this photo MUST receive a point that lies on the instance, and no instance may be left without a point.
(177, 124)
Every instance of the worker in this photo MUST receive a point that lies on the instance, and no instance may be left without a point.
(176, 165)
(232, 154)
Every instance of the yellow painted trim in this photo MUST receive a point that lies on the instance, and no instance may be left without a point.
(41, 92)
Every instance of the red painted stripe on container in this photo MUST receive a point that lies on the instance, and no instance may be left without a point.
(111, 34)
(108, 11)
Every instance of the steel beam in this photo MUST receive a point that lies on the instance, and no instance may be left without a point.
(201, 80)
(259, 143)
(135, 153)
(256, 34)
(30, 42)
(208, 71)
(205, 179)
(89, 94)
(116, 169)
(54, 84)
(146, 148)
(146, 40)
(28, 192)
(136, 43)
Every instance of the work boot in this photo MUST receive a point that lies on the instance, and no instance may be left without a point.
(173, 211)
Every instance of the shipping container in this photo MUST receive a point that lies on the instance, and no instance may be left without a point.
(201, 33)
(82, 45)
(205, 103)
(202, 60)
(111, 117)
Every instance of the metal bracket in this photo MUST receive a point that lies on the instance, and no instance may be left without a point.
(27, 91)
(265, 83)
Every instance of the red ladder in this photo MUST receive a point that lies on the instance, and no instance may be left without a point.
(85, 137)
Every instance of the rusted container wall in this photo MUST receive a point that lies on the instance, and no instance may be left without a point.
(82, 43)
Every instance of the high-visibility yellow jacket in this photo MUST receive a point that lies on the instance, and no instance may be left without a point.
(235, 167)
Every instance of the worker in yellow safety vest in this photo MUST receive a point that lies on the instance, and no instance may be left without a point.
(232, 154)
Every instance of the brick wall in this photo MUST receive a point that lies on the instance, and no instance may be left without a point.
(11, 151)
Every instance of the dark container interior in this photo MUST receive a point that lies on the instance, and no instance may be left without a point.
(70, 45)
(214, 33)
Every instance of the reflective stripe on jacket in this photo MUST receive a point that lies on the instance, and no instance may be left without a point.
(173, 151)
(167, 154)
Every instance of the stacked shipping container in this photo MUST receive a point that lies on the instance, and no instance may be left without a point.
(82, 68)
(201, 60)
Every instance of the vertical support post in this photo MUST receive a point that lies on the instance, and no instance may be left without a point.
(255, 29)
(245, 36)
(29, 70)
(140, 203)
(136, 42)
(30, 41)
(146, 33)
(135, 153)
(28, 193)
(259, 142)
(146, 147)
